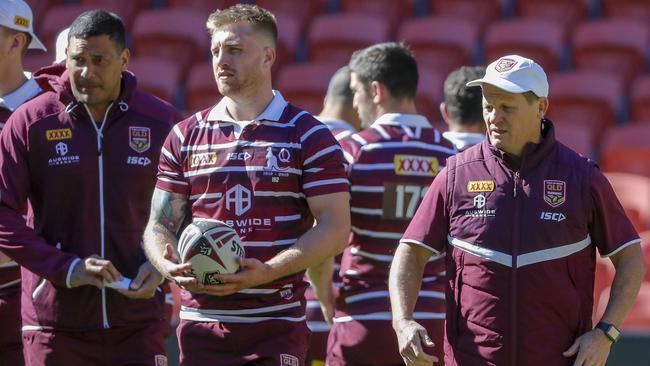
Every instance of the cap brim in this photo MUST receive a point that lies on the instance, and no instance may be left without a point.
(499, 83)
(36, 44)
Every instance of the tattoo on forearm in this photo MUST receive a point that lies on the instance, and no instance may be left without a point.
(168, 210)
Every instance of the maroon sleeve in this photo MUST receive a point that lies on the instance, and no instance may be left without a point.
(430, 225)
(17, 240)
(323, 163)
(610, 229)
(170, 171)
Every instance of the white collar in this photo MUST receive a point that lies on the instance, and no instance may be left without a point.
(273, 111)
(28, 90)
(333, 123)
(462, 140)
(410, 120)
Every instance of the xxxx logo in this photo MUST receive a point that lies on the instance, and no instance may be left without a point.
(480, 186)
(61, 134)
(416, 165)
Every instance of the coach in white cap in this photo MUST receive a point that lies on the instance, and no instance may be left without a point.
(16, 87)
(520, 218)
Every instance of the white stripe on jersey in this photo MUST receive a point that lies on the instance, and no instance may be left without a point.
(179, 134)
(318, 327)
(172, 181)
(370, 189)
(321, 153)
(9, 264)
(359, 139)
(243, 143)
(169, 155)
(10, 283)
(287, 218)
(404, 144)
(260, 244)
(377, 234)
(235, 319)
(437, 138)
(377, 257)
(348, 157)
(378, 166)
(408, 131)
(205, 195)
(325, 182)
(278, 194)
(311, 131)
(291, 123)
(381, 131)
(386, 315)
(367, 211)
(343, 134)
(384, 295)
(262, 310)
(313, 170)
(222, 169)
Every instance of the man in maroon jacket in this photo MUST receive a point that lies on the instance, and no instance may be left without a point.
(520, 217)
(16, 87)
(85, 154)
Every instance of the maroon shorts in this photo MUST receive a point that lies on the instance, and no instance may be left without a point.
(271, 342)
(132, 346)
(373, 342)
(11, 346)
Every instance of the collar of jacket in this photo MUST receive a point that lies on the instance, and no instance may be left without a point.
(532, 154)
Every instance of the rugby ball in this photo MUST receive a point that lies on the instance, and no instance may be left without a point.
(212, 247)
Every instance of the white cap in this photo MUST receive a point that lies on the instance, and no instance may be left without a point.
(61, 45)
(16, 14)
(515, 74)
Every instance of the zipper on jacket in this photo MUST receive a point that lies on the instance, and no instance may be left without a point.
(515, 253)
(100, 162)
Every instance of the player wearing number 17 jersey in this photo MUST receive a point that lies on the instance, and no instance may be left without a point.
(392, 163)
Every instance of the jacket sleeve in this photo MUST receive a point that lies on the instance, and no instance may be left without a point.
(17, 240)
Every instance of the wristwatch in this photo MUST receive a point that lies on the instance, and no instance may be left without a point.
(610, 331)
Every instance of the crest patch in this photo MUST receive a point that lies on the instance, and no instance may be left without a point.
(140, 138)
(554, 192)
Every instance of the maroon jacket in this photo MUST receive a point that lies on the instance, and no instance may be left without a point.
(521, 240)
(90, 188)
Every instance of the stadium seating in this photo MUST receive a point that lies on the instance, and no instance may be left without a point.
(302, 11)
(538, 39)
(288, 39)
(394, 11)
(640, 99)
(157, 76)
(304, 85)
(201, 88)
(429, 94)
(440, 43)
(333, 38)
(40, 9)
(58, 18)
(633, 191)
(204, 6)
(176, 35)
(639, 316)
(628, 9)
(626, 149)
(567, 13)
(480, 11)
(611, 46)
(577, 136)
(589, 98)
(127, 10)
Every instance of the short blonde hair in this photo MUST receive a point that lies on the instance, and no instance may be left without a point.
(260, 18)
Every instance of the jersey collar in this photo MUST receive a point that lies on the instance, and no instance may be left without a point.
(28, 90)
(273, 111)
(399, 119)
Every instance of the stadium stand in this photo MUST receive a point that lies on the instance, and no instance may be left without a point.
(201, 88)
(626, 149)
(480, 11)
(567, 13)
(304, 85)
(157, 76)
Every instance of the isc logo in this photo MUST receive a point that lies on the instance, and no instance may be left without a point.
(552, 216)
(138, 160)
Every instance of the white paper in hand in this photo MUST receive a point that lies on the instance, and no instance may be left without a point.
(119, 285)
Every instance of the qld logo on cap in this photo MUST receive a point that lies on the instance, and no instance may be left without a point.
(505, 64)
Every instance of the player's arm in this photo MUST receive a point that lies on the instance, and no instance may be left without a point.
(320, 277)
(326, 239)
(168, 210)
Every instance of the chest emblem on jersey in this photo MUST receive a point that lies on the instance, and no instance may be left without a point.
(423, 166)
(474, 186)
(203, 159)
(274, 162)
(554, 192)
(139, 138)
(60, 134)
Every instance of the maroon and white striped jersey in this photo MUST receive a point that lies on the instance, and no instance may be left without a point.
(340, 128)
(255, 176)
(392, 164)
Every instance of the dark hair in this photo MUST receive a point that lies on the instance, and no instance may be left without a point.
(260, 18)
(338, 89)
(391, 64)
(97, 22)
(464, 104)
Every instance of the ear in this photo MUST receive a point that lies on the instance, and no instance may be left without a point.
(124, 58)
(379, 92)
(269, 56)
(444, 113)
(542, 107)
(19, 42)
